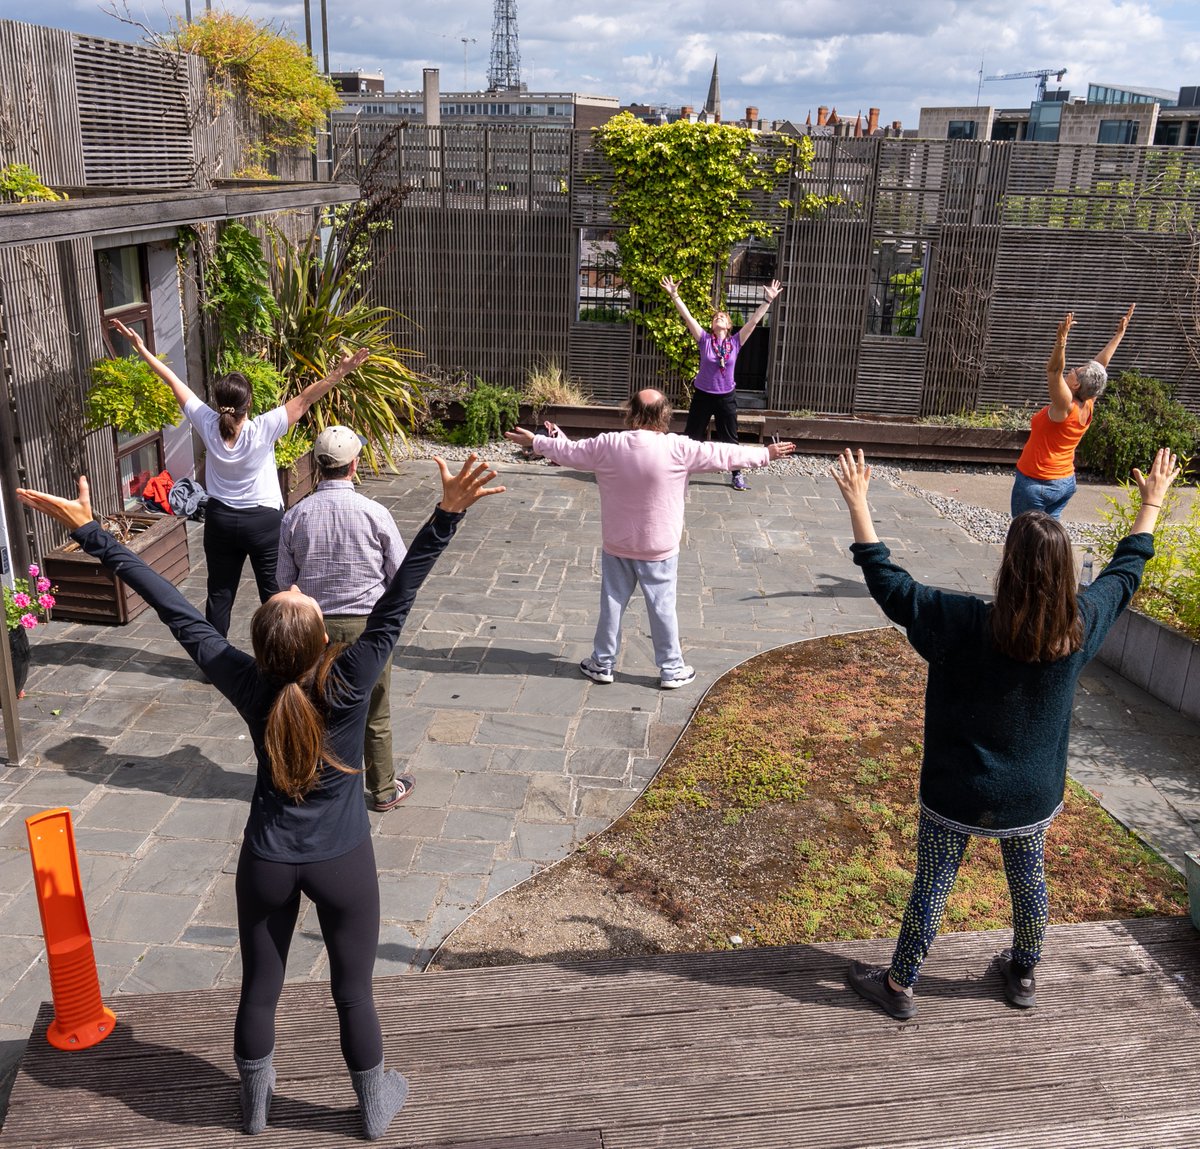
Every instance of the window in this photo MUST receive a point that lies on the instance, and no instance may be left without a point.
(603, 297)
(896, 285)
(124, 289)
(961, 130)
(1118, 132)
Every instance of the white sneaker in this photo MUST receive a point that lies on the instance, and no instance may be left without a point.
(681, 677)
(593, 670)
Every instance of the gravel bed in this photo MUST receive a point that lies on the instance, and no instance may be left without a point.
(980, 523)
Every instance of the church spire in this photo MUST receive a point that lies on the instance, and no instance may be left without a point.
(712, 106)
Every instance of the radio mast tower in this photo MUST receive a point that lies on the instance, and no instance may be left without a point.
(504, 70)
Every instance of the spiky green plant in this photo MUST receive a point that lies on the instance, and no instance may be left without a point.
(323, 317)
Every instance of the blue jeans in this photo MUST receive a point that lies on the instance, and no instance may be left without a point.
(1049, 495)
(618, 577)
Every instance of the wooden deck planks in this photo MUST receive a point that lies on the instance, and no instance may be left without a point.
(755, 1048)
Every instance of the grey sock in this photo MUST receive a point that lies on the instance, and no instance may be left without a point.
(381, 1095)
(258, 1083)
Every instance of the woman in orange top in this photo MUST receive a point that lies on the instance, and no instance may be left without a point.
(1045, 478)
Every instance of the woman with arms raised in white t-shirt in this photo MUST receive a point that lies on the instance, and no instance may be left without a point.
(245, 505)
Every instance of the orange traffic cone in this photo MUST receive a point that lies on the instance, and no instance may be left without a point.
(80, 1017)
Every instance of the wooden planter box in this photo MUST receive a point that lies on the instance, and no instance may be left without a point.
(88, 593)
(812, 436)
(298, 480)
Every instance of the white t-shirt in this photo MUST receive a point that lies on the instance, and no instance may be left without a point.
(245, 474)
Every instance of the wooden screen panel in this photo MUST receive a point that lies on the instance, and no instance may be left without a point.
(53, 327)
(133, 115)
(486, 292)
(599, 356)
(37, 95)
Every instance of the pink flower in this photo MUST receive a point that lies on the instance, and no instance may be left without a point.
(21, 599)
(28, 621)
(34, 570)
(46, 601)
(43, 585)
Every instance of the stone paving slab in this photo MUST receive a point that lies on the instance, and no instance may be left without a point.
(517, 757)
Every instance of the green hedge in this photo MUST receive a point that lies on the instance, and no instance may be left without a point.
(1134, 417)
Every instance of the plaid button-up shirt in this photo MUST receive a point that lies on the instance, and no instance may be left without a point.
(339, 547)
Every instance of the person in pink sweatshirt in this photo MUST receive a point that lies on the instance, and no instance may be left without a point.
(642, 475)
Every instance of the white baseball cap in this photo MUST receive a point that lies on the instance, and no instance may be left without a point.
(336, 446)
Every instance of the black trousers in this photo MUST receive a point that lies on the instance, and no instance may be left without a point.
(705, 406)
(231, 535)
(345, 891)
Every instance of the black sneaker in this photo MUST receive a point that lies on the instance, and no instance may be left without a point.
(1019, 989)
(870, 982)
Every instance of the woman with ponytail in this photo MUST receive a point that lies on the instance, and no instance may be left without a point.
(245, 505)
(998, 699)
(305, 703)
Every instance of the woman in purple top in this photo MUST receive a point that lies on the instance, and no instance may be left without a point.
(712, 389)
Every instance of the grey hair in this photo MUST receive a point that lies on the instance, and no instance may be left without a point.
(1092, 379)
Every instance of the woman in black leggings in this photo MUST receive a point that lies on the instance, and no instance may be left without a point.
(305, 703)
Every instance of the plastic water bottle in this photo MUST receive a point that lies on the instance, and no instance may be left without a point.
(1085, 575)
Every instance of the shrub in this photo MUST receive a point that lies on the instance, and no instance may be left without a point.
(1135, 417)
(128, 395)
(490, 411)
(1170, 590)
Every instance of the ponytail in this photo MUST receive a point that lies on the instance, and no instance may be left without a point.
(290, 645)
(234, 397)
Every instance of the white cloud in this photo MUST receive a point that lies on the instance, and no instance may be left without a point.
(785, 58)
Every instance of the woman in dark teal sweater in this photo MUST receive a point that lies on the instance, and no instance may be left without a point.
(998, 699)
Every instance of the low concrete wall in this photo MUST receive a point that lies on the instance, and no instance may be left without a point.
(1159, 660)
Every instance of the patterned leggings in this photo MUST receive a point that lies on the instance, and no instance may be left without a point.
(939, 854)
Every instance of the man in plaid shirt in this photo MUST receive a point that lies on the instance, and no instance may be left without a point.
(342, 549)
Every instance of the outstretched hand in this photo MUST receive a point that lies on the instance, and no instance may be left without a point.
(778, 450)
(468, 486)
(1067, 322)
(1123, 322)
(772, 290)
(134, 338)
(1163, 472)
(852, 475)
(669, 285)
(348, 363)
(520, 436)
(853, 478)
(72, 513)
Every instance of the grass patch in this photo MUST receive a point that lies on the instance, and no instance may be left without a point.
(787, 814)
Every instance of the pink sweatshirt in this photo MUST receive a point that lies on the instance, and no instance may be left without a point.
(643, 477)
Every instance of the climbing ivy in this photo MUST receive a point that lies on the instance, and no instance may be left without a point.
(681, 199)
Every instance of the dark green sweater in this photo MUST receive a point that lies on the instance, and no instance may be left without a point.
(996, 730)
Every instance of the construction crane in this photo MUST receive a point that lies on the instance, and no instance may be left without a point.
(1039, 74)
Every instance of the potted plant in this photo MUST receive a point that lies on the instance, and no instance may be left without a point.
(26, 606)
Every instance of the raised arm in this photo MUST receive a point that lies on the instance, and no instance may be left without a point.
(179, 388)
(298, 405)
(1060, 394)
(672, 289)
(1153, 489)
(770, 294)
(1110, 348)
(853, 478)
(225, 665)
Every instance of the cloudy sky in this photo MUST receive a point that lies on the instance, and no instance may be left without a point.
(783, 57)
